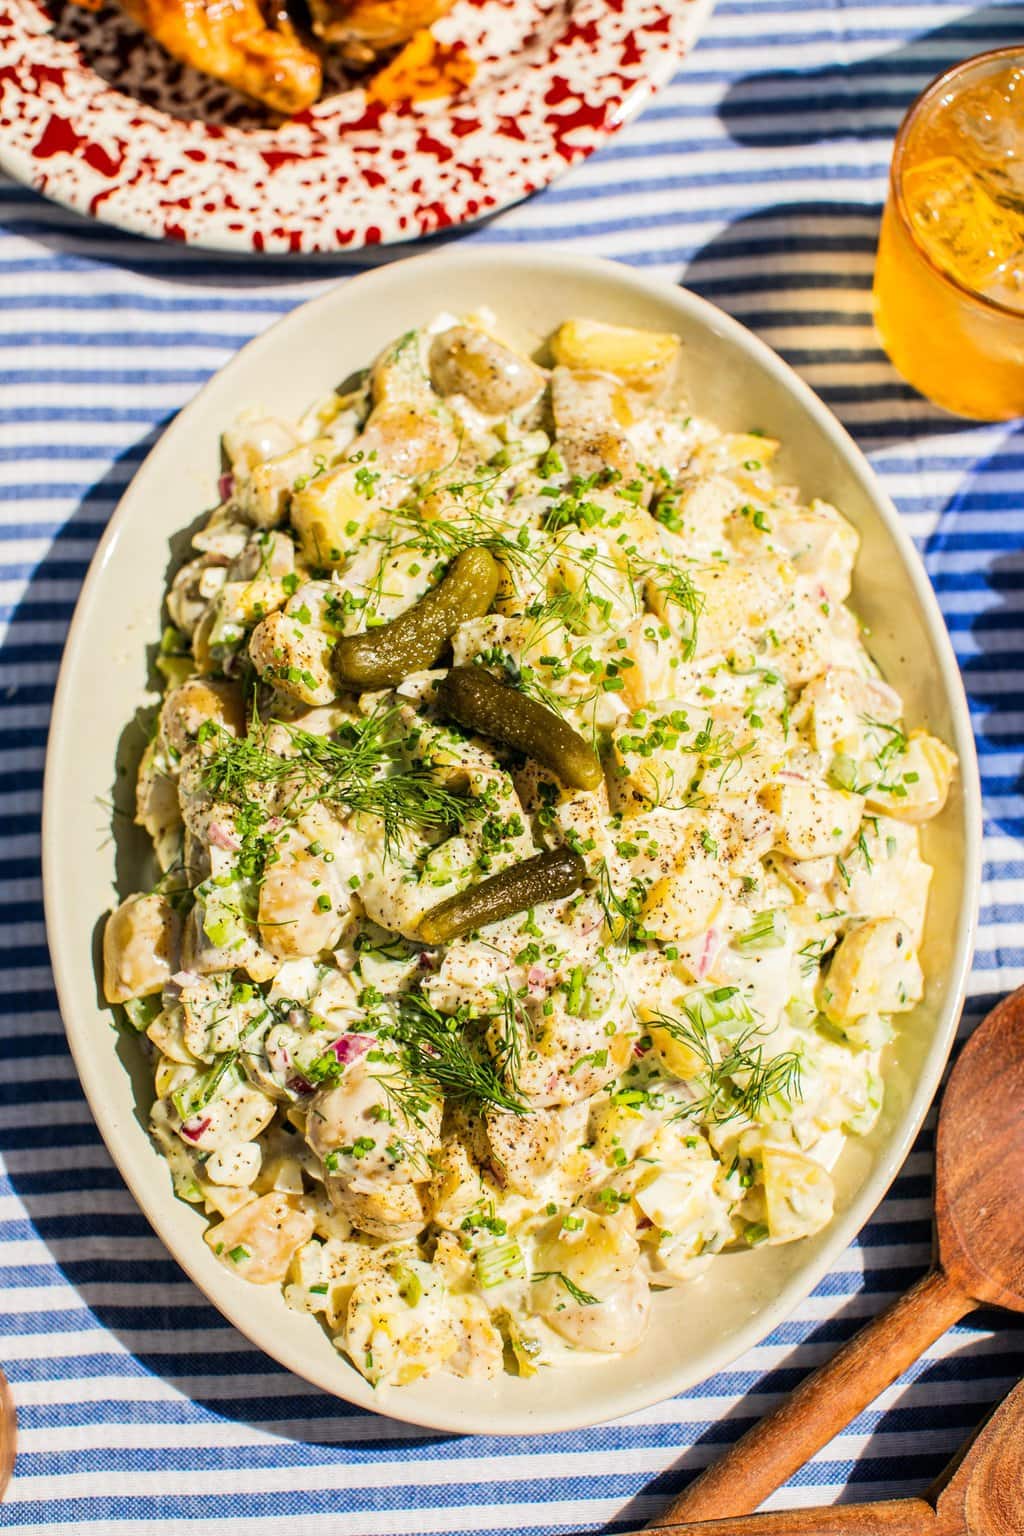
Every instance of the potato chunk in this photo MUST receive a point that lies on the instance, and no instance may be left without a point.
(408, 440)
(876, 970)
(295, 657)
(264, 493)
(799, 1194)
(595, 1253)
(332, 511)
(301, 907)
(643, 359)
(140, 948)
(812, 820)
(466, 361)
(682, 904)
(189, 706)
(258, 1241)
(612, 1326)
(917, 780)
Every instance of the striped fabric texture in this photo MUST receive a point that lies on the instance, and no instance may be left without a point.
(756, 178)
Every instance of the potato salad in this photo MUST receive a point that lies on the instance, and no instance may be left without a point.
(537, 876)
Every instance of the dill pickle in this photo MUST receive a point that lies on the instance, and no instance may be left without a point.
(547, 877)
(478, 701)
(384, 657)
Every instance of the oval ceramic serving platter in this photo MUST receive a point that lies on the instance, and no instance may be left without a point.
(735, 379)
(95, 115)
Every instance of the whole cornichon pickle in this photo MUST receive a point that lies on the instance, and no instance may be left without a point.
(478, 701)
(547, 877)
(384, 657)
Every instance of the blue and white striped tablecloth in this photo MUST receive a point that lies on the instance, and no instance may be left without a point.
(757, 179)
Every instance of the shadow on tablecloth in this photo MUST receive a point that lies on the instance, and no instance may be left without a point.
(863, 98)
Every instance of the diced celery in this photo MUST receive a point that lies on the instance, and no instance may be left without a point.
(175, 669)
(500, 1262)
(800, 1014)
(142, 1011)
(724, 1010)
(769, 930)
(202, 1090)
(410, 1286)
(860, 1123)
(173, 642)
(830, 1031)
(449, 864)
(522, 1349)
(845, 773)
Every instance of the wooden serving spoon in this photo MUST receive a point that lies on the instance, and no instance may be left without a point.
(980, 1493)
(979, 1261)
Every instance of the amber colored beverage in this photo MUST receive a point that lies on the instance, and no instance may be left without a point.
(949, 280)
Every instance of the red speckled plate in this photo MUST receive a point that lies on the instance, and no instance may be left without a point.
(95, 115)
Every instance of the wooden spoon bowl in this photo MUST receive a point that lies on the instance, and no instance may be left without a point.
(979, 1163)
(979, 1177)
(981, 1492)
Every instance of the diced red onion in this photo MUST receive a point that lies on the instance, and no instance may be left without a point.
(539, 977)
(221, 837)
(193, 1132)
(225, 487)
(280, 1058)
(709, 950)
(352, 1047)
(299, 1085)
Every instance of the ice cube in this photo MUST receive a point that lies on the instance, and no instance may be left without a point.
(965, 230)
(988, 121)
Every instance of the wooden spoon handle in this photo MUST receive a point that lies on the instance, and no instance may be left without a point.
(8, 1434)
(901, 1517)
(823, 1404)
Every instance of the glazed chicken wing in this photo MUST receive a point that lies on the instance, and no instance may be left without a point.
(364, 28)
(234, 41)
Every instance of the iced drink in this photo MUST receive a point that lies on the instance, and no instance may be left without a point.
(949, 281)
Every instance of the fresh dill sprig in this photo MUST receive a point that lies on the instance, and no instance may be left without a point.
(813, 953)
(359, 768)
(581, 1297)
(464, 527)
(561, 610)
(739, 1083)
(891, 742)
(437, 1049)
(677, 588)
(508, 1039)
(716, 745)
(622, 910)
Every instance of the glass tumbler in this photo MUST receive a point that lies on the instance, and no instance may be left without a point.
(949, 278)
